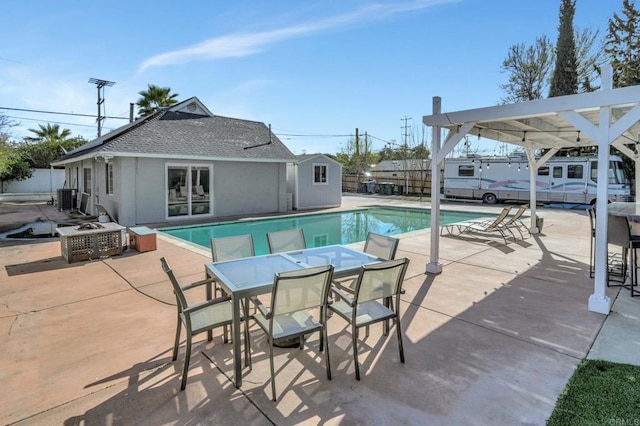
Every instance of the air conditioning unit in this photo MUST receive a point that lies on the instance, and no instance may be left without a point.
(66, 199)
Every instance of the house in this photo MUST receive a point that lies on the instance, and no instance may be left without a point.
(315, 181)
(182, 163)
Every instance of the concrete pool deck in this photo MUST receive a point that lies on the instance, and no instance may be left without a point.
(491, 340)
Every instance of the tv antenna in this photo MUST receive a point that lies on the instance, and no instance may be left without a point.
(101, 114)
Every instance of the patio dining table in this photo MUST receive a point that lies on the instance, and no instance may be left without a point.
(253, 276)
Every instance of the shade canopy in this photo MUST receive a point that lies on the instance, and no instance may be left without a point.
(596, 119)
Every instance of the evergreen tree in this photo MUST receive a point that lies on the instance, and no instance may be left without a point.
(623, 45)
(564, 80)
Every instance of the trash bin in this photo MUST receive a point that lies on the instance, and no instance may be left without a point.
(400, 189)
(370, 186)
(383, 188)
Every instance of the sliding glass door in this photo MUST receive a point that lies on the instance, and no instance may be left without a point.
(188, 190)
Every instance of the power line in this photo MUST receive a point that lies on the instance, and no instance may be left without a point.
(61, 113)
(54, 122)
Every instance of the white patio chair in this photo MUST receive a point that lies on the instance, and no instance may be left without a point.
(288, 240)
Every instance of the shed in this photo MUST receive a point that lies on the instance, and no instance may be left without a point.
(315, 181)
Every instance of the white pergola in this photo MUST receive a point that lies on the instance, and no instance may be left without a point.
(602, 118)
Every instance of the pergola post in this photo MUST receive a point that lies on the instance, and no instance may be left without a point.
(599, 301)
(434, 266)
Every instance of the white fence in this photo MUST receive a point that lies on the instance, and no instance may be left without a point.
(42, 181)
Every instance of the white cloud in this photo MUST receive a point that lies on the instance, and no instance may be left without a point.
(245, 44)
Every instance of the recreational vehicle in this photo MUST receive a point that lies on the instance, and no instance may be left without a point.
(560, 179)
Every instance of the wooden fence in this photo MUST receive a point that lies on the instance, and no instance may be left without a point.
(416, 182)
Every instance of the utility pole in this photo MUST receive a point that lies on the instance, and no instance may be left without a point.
(406, 152)
(101, 85)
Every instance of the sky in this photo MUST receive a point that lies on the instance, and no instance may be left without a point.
(315, 71)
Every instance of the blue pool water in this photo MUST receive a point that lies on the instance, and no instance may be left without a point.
(323, 229)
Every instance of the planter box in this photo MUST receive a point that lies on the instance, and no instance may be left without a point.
(142, 238)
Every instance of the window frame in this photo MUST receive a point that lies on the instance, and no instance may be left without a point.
(316, 175)
(109, 178)
(87, 180)
(575, 171)
(189, 189)
(467, 168)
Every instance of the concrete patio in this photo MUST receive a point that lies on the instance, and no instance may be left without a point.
(491, 340)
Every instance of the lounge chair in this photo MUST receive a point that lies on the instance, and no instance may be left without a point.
(514, 222)
(497, 225)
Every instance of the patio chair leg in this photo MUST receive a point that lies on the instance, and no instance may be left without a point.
(400, 345)
(187, 358)
(354, 341)
(177, 341)
(326, 354)
(324, 319)
(273, 371)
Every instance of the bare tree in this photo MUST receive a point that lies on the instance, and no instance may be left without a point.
(591, 57)
(5, 125)
(529, 68)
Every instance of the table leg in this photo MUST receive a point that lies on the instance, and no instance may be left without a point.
(237, 355)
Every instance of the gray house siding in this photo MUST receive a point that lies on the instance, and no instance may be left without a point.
(247, 187)
(317, 195)
(250, 188)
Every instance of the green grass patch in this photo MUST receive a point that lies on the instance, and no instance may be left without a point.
(600, 393)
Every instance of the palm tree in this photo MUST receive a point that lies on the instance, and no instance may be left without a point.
(50, 132)
(153, 98)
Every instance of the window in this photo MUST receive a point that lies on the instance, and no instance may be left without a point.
(466, 170)
(594, 171)
(320, 174)
(543, 171)
(109, 178)
(87, 181)
(557, 171)
(574, 171)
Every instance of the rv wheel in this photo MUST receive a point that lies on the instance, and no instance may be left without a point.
(489, 198)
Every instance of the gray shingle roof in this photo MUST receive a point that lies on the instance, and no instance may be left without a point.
(176, 133)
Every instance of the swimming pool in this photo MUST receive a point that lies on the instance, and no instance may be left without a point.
(324, 228)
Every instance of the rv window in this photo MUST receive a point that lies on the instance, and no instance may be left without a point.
(557, 171)
(594, 171)
(543, 171)
(465, 170)
(574, 171)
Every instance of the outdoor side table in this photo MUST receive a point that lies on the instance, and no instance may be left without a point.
(77, 243)
(142, 238)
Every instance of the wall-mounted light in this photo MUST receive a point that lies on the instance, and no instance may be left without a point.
(578, 138)
(524, 136)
